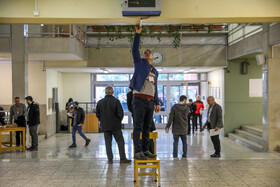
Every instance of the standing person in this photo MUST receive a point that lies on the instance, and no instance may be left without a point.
(78, 118)
(17, 115)
(215, 123)
(178, 118)
(129, 97)
(145, 96)
(198, 113)
(33, 120)
(68, 105)
(191, 115)
(109, 111)
(2, 116)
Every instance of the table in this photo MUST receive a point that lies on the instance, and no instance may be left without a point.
(11, 130)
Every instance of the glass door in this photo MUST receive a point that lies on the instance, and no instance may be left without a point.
(175, 92)
(120, 92)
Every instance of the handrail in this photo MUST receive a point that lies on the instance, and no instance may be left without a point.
(243, 35)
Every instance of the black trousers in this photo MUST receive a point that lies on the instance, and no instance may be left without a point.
(143, 111)
(120, 141)
(195, 121)
(189, 124)
(216, 143)
(18, 133)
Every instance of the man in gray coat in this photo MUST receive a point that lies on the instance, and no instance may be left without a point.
(109, 111)
(214, 121)
(178, 118)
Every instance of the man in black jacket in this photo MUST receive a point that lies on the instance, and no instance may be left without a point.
(33, 120)
(191, 116)
(78, 118)
(109, 111)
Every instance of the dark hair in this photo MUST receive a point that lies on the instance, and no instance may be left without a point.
(17, 97)
(70, 100)
(29, 98)
(183, 97)
(148, 50)
(190, 100)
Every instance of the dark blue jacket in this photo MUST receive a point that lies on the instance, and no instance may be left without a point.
(142, 68)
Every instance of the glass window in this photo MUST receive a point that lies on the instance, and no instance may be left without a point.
(183, 77)
(112, 77)
(176, 77)
(162, 77)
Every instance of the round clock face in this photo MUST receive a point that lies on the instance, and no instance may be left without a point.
(158, 57)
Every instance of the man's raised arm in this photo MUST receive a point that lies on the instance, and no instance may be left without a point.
(135, 48)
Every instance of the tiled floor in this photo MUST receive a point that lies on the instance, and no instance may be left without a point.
(56, 165)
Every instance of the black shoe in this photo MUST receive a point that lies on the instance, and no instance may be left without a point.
(175, 156)
(73, 145)
(149, 154)
(110, 161)
(184, 156)
(87, 142)
(33, 149)
(140, 156)
(201, 130)
(215, 155)
(125, 161)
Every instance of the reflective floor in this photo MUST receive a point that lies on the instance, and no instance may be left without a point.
(56, 165)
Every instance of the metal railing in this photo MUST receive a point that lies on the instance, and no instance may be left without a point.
(56, 31)
(243, 27)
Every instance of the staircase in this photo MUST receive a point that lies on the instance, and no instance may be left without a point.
(249, 136)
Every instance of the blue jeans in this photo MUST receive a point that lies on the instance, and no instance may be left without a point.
(80, 131)
(175, 145)
(143, 111)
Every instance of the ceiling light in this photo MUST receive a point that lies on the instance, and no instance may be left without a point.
(105, 71)
(160, 69)
(186, 71)
(42, 25)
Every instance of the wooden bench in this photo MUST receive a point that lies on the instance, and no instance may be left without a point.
(11, 130)
(153, 163)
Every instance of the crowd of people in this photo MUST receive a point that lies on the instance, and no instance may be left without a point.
(142, 102)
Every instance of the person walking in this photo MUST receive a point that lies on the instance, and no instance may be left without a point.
(145, 97)
(178, 118)
(191, 115)
(17, 115)
(214, 123)
(109, 111)
(78, 118)
(33, 121)
(198, 113)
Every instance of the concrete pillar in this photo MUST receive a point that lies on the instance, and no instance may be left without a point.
(273, 101)
(19, 63)
(271, 89)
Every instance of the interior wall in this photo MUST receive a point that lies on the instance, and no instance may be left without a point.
(6, 84)
(76, 86)
(240, 109)
(216, 80)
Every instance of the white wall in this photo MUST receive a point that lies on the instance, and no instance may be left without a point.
(36, 83)
(216, 79)
(76, 86)
(6, 83)
(54, 80)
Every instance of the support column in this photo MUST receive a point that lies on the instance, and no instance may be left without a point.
(273, 78)
(271, 89)
(19, 62)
